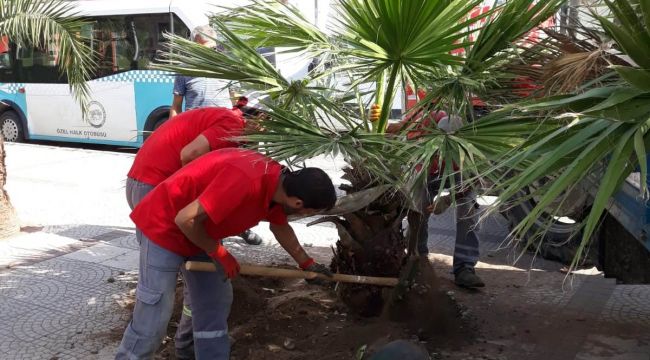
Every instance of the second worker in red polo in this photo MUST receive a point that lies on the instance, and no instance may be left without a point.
(185, 217)
(176, 143)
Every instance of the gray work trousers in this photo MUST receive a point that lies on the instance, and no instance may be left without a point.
(158, 272)
(466, 248)
(184, 339)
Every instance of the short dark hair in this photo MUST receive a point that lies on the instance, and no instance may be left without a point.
(312, 186)
(252, 112)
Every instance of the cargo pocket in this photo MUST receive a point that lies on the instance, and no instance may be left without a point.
(147, 296)
(147, 315)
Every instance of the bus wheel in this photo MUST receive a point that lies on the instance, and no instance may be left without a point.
(11, 126)
(150, 129)
(160, 122)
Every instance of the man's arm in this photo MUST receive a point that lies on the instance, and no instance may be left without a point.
(396, 127)
(287, 238)
(289, 242)
(190, 221)
(234, 95)
(177, 106)
(194, 149)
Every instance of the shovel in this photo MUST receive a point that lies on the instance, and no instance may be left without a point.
(256, 270)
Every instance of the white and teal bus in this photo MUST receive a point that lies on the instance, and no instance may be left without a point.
(128, 99)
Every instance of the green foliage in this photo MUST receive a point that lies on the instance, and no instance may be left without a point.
(398, 41)
(41, 22)
(602, 128)
(601, 135)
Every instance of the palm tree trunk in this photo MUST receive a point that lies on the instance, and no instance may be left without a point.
(8, 220)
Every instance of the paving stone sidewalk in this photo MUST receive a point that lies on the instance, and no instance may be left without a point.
(65, 280)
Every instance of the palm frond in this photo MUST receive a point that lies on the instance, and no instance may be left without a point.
(39, 23)
(608, 132)
(265, 23)
(291, 137)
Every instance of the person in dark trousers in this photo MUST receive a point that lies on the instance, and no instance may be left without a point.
(466, 248)
(175, 144)
(186, 217)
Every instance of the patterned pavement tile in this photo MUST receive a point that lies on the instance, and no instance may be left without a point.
(14, 349)
(127, 242)
(492, 231)
(127, 261)
(550, 294)
(629, 304)
(10, 308)
(62, 296)
(96, 253)
(114, 234)
(64, 338)
(83, 231)
(34, 247)
(80, 273)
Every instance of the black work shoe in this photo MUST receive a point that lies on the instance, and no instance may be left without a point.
(251, 238)
(185, 353)
(468, 279)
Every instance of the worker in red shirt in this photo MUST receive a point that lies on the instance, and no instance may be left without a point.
(183, 139)
(176, 143)
(466, 248)
(185, 218)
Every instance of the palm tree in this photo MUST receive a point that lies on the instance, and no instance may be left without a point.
(38, 23)
(598, 131)
(374, 47)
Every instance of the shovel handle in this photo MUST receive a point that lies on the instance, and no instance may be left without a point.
(256, 270)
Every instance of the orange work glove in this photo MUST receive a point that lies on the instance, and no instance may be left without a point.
(375, 112)
(227, 261)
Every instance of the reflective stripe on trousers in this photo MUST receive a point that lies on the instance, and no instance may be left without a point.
(183, 340)
(155, 300)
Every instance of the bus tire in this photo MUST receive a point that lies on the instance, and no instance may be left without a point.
(154, 120)
(11, 128)
(160, 122)
(560, 241)
(153, 126)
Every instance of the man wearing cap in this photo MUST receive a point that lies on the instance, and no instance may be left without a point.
(185, 218)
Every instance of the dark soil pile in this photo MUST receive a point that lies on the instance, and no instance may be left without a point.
(425, 309)
(289, 319)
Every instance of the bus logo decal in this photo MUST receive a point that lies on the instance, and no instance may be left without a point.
(96, 114)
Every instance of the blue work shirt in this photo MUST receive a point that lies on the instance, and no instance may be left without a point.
(201, 92)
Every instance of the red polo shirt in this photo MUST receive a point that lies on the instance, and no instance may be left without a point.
(234, 186)
(160, 156)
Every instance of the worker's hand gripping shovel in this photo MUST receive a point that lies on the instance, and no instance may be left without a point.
(256, 270)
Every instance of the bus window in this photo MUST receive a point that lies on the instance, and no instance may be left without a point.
(129, 42)
(149, 32)
(180, 29)
(7, 60)
(31, 64)
(110, 41)
(5, 53)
